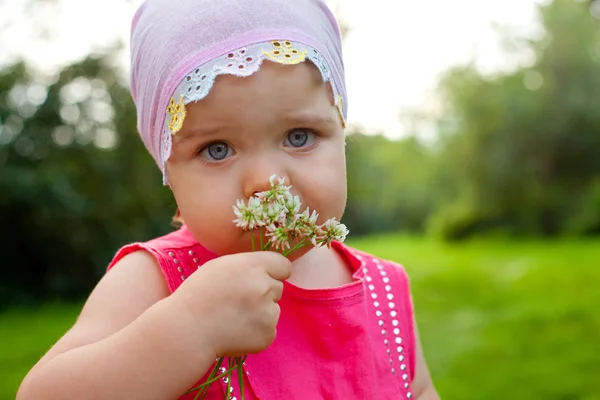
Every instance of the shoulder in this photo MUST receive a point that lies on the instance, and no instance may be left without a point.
(403, 310)
(389, 285)
(371, 261)
(138, 277)
(157, 247)
(177, 254)
(124, 292)
(389, 274)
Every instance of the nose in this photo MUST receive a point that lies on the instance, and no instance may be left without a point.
(258, 172)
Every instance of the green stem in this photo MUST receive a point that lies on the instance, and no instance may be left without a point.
(209, 381)
(252, 239)
(240, 370)
(261, 238)
(204, 390)
(228, 389)
(296, 247)
(266, 246)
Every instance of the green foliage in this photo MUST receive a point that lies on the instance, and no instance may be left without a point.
(391, 184)
(498, 319)
(517, 154)
(524, 148)
(586, 220)
(68, 195)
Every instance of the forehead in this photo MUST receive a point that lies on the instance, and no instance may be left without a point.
(273, 90)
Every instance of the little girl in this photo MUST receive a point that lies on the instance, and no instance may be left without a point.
(229, 93)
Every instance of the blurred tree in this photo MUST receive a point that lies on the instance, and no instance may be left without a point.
(392, 185)
(75, 180)
(523, 148)
(595, 9)
(517, 153)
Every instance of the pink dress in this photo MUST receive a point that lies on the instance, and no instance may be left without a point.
(351, 342)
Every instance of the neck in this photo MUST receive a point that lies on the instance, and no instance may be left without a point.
(320, 268)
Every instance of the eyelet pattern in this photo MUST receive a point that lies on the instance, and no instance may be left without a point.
(243, 62)
(392, 335)
(385, 312)
(177, 114)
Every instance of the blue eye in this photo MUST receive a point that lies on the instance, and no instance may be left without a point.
(299, 138)
(216, 151)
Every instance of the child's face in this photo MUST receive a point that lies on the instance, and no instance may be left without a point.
(278, 121)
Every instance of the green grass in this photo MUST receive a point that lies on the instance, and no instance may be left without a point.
(505, 319)
(498, 319)
(25, 335)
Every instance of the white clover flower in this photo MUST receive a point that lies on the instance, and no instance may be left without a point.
(312, 220)
(280, 181)
(305, 226)
(250, 216)
(291, 203)
(277, 192)
(332, 230)
(278, 211)
(273, 213)
(279, 237)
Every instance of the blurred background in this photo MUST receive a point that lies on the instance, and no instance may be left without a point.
(473, 159)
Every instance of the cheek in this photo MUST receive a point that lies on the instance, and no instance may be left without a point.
(202, 206)
(324, 187)
(202, 201)
(331, 201)
(209, 217)
(336, 199)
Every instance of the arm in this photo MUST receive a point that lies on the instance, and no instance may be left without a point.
(127, 343)
(422, 385)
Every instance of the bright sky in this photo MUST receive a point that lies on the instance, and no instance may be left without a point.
(394, 53)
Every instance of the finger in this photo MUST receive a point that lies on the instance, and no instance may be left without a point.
(277, 266)
(277, 290)
(276, 314)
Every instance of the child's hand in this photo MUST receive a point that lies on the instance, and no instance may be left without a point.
(232, 301)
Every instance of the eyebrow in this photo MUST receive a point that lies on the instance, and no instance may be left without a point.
(299, 120)
(309, 118)
(183, 136)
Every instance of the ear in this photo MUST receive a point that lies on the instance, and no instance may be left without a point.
(177, 220)
(166, 181)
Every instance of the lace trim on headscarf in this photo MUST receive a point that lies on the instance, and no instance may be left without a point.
(242, 62)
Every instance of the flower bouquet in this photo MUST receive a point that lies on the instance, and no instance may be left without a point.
(275, 214)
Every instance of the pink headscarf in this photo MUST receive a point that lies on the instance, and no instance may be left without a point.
(178, 47)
